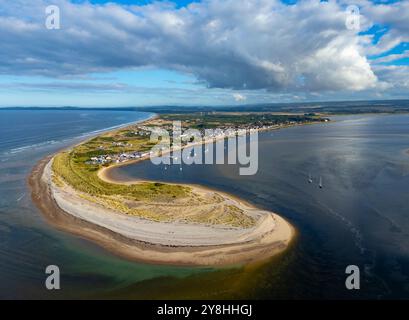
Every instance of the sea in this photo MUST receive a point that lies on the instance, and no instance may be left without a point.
(360, 216)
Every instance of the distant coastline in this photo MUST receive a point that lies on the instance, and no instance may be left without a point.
(324, 107)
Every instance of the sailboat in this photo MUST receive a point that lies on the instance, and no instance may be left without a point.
(320, 184)
(309, 178)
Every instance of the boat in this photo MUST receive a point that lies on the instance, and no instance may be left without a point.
(309, 178)
(320, 184)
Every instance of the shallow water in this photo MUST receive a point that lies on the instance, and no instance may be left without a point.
(359, 217)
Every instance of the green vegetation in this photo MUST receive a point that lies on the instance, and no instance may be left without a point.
(84, 178)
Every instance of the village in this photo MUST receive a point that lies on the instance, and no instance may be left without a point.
(188, 138)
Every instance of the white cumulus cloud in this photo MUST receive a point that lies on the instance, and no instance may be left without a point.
(239, 97)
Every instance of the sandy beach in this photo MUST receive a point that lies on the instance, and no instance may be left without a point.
(175, 242)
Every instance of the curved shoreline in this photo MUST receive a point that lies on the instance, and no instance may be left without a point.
(159, 242)
(104, 175)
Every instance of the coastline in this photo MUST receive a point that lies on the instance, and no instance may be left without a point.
(174, 243)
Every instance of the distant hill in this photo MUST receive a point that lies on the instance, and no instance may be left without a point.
(343, 107)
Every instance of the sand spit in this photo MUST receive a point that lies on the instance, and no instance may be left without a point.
(174, 243)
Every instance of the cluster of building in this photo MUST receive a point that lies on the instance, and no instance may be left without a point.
(143, 131)
(118, 158)
(121, 144)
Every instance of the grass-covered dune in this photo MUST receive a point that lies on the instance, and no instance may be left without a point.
(67, 167)
(150, 200)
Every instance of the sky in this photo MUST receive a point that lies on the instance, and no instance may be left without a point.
(203, 52)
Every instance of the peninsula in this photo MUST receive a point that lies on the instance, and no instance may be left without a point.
(157, 222)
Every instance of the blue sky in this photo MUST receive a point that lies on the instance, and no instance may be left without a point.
(141, 53)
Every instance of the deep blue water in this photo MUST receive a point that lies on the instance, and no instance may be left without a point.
(360, 217)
